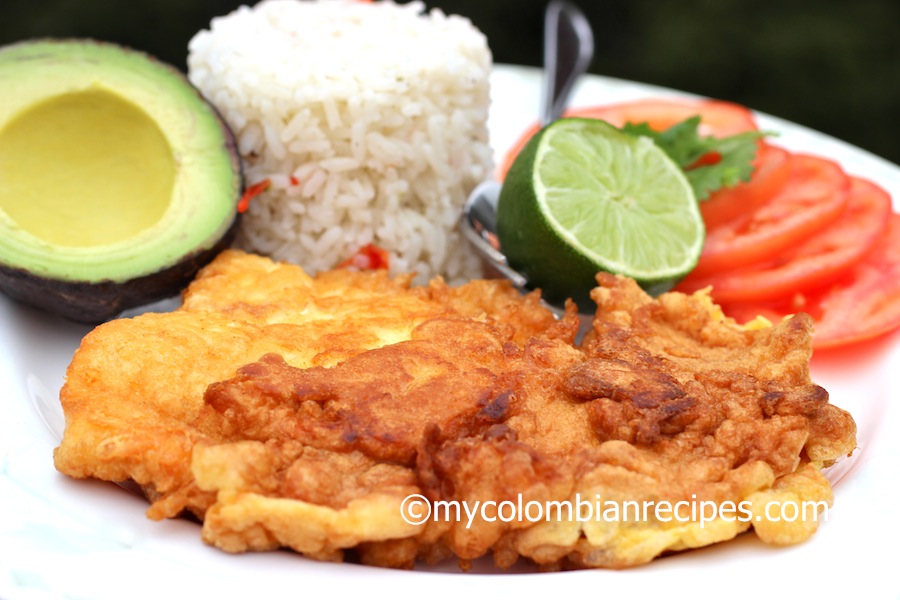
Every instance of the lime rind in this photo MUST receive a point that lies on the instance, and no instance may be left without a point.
(618, 200)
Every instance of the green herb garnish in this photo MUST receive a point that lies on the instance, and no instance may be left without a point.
(709, 163)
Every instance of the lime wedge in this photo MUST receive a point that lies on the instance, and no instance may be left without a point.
(584, 197)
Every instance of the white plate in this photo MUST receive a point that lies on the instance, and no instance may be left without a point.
(86, 539)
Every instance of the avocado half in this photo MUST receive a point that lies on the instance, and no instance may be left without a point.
(118, 180)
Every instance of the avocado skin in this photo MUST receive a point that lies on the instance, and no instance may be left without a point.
(94, 303)
(99, 301)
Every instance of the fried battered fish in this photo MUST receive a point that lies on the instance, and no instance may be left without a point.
(285, 410)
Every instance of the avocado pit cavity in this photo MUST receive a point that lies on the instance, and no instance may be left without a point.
(85, 169)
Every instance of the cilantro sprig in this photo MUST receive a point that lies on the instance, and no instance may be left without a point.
(709, 163)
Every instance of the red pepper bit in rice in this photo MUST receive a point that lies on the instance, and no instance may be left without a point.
(369, 257)
(252, 192)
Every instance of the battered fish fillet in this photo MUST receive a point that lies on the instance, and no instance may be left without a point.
(285, 410)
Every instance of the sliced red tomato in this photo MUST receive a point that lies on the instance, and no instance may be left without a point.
(813, 197)
(717, 118)
(820, 260)
(862, 305)
(770, 173)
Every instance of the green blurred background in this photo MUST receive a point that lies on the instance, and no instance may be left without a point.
(833, 65)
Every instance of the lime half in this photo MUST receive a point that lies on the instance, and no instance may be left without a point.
(584, 197)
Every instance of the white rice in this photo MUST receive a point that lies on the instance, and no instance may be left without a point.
(370, 120)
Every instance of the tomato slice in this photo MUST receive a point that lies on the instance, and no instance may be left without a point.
(770, 174)
(717, 118)
(813, 197)
(814, 263)
(862, 305)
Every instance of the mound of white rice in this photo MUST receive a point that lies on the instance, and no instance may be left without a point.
(368, 118)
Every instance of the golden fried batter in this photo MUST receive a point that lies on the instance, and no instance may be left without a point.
(293, 411)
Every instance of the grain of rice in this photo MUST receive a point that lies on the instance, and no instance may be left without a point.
(377, 110)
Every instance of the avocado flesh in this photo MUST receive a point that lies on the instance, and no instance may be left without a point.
(103, 149)
(118, 181)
